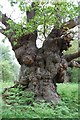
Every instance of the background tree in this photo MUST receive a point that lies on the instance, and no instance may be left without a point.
(73, 72)
(42, 68)
(9, 69)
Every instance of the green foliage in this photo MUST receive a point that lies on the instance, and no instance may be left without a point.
(17, 29)
(16, 96)
(74, 74)
(22, 104)
(73, 48)
(5, 63)
(47, 15)
(4, 53)
(8, 69)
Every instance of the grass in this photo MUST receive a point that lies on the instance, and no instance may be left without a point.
(20, 106)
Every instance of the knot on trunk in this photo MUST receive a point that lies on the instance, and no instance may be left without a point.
(28, 60)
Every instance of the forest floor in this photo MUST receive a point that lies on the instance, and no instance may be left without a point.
(67, 107)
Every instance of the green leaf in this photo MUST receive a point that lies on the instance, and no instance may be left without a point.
(14, 43)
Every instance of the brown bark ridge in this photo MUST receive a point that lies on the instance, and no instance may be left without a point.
(41, 68)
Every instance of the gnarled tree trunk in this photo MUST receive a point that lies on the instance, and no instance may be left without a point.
(41, 68)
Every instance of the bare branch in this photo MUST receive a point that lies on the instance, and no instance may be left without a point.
(72, 23)
(74, 63)
(30, 14)
(72, 56)
(4, 19)
(2, 31)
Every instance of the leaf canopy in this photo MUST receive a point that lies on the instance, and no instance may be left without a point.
(48, 14)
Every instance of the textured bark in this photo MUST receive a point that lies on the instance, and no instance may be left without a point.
(39, 73)
(41, 68)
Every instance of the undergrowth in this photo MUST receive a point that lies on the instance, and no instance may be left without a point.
(21, 104)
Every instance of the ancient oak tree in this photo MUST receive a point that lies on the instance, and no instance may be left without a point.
(42, 67)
